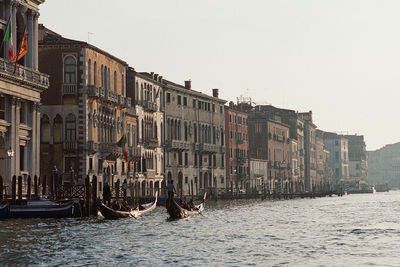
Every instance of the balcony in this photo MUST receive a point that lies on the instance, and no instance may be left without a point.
(128, 102)
(134, 152)
(93, 91)
(177, 145)
(150, 106)
(239, 141)
(110, 96)
(151, 143)
(150, 174)
(69, 89)
(70, 146)
(121, 100)
(92, 147)
(209, 148)
(23, 75)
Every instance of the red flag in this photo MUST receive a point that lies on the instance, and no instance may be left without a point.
(22, 50)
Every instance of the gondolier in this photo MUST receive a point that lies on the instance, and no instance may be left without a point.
(171, 189)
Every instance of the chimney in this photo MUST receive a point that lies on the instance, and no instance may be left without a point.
(215, 92)
(231, 104)
(188, 84)
(152, 75)
(156, 76)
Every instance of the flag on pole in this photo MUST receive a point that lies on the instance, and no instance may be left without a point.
(22, 50)
(23, 47)
(9, 40)
(124, 145)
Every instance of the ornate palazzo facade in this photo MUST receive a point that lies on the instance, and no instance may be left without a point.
(20, 91)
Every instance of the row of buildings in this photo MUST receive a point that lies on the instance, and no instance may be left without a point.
(76, 108)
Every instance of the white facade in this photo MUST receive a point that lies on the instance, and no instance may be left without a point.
(20, 94)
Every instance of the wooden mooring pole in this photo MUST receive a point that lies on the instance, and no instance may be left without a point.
(1, 188)
(20, 188)
(13, 188)
(94, 195)
(29, 189)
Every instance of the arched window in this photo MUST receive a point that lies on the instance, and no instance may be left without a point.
(102, 76)
(115, 81)
(45, 129)
(57, 132)
(108, 79)
(89, 72)
(122, 85)
(70, 128)
(70, 70)
(95, 73)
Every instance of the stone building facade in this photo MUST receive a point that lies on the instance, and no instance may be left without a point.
(20, 92)
(358, 167)
(296, 135)
(310, 157)
(237, 147)
(85, 111)
(269, 140)
(147, 169)
(194, 140)
(339, 159)
(324, 172)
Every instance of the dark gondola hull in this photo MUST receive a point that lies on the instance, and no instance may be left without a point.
(41, 211)
(177, 212)
(109, 213)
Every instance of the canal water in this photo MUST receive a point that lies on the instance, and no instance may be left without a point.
(354, 230)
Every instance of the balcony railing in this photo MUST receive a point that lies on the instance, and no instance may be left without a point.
(151, 142)
(24, 75)
(70, 146)
(177, 145)
(93, 147)
(69, 89)
(150, 106)
(134, 152)
(93, 91)
(150, 174)
(209, 148)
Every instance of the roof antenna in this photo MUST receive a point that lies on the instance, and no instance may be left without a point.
(88, 36)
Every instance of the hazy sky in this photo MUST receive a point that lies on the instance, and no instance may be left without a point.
(339, 58)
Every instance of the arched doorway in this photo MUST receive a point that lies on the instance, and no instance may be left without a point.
(205, 180)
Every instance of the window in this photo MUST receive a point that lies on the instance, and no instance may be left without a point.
(22, 113)
(222, 179)
(57, 132)
(89, 72)
(213, 107)
(90, 163)
(186, 159)
(180, 158)
(122, 85)
(2, 108)
(70, 128)
(214, 160)
(95, 73)
(185, 101)
(115, 81)
(45, 129)
(186, 180)
(222, 161)
(336, 142)
(194, 103)
(220, 109)
(179, 99)
(168, 98)
(21, 158)
(195, 159)
(69, 70)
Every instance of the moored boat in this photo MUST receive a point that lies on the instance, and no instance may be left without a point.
(177, 212)
(38, 209)
(142, 209)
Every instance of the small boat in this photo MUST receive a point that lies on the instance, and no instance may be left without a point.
(41, 209)
(142, 209)
(177, 212)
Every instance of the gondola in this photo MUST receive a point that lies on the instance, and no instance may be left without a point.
(109, 213)
(177, 212)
